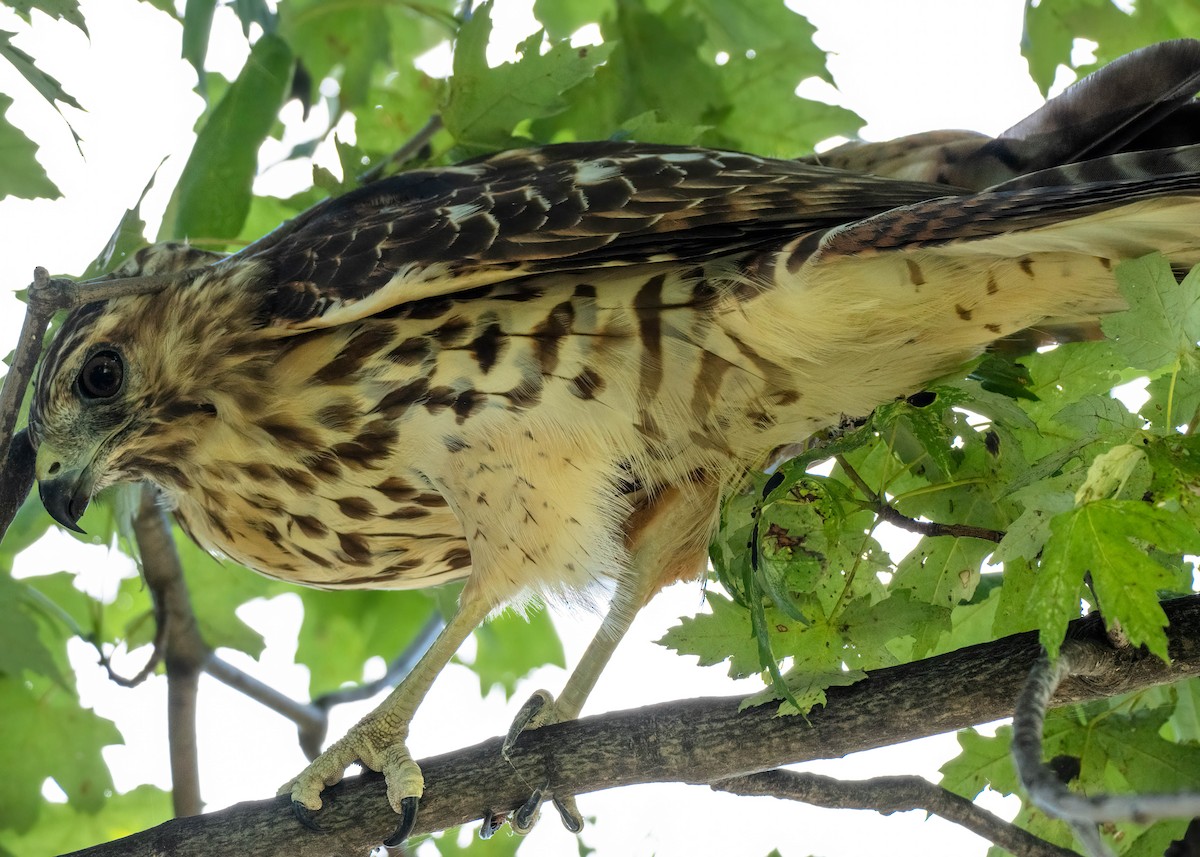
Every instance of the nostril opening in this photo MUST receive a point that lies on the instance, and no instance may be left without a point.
(54, 468)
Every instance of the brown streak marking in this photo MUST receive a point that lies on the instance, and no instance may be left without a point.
(355, 507)
(962, 312)
(915, 275)
(647, 306)
(310, 526)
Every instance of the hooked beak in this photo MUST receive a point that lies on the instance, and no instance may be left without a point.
(65, 491)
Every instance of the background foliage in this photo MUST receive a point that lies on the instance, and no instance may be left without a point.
(1037, 448)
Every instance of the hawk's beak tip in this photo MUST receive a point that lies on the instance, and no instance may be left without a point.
(65, 498)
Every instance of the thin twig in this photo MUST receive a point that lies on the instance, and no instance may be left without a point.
(186, 651)
(400, 667)
(889, 513)
(407, 151)
(893, 794)
(312, 718)
(1078, 659)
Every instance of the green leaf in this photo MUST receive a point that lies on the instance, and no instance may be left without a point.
(1184, 724)
(874, 628)
(20, 173)
(213, 195)
(1042, 501)
(346, 41)
(63, 10)
(1162, 324)
(723, 634)
(984, 761)
(49, 88)
(1109, 539)
(1174, 396)
(61, 829)
(21, 646)
(1012, 613)
(943, 570)
(563, 18)
(217, 588)
(130, 235)
(998, 374)
(484, 105)
(512, 645)
(48, 734)
(655, 65)
(807, 688)
(343, 629)
(197, 26)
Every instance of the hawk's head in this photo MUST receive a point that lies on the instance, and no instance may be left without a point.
(125, 384)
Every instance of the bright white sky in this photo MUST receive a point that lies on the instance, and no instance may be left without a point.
(904, 67)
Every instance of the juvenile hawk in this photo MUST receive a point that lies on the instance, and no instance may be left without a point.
(542, 371)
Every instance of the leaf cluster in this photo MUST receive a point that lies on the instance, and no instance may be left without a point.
(1092, 502)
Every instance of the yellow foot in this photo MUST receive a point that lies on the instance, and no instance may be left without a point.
(539, 710)
(376, 745)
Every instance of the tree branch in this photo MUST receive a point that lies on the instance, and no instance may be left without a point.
(892, 515)
(185, 652)
(684, 741)
(893, 794)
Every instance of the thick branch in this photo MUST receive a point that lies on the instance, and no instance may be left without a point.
(685, 741)
(893, 794)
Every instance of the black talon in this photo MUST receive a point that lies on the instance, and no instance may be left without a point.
(529, 710)
(305, 816)
(570, 816)
(492, 821)
(408, 820)
(525, 816)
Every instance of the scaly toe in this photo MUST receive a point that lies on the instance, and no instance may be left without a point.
(305, 816)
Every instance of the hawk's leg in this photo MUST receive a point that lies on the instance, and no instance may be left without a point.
(542, 708)
(667, 540)
(377, 741)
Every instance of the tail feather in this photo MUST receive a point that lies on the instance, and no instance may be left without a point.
(1143, 101)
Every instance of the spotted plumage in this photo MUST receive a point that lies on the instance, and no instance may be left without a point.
(541, 371)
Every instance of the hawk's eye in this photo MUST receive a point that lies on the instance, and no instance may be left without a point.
(102, 375)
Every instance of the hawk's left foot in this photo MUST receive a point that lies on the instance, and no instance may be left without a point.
(377, 744)
(539, 710)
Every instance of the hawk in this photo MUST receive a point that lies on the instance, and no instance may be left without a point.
(541, 372)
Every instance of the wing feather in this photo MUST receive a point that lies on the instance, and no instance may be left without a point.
(431, 233)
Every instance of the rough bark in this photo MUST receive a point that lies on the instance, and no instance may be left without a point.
(684, 741)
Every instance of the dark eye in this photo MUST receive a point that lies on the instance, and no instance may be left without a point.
(102, 375)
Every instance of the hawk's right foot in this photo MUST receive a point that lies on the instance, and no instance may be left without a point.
(539, 710)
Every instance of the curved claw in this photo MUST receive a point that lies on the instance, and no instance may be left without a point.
(526, 816)
(569, 813)
(492, 821)
(408, 820)
(527, 718)
(305, 816)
